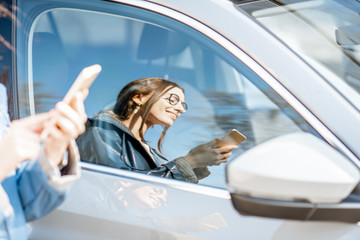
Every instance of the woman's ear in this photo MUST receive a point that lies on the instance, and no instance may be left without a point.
(137, 99)
(140, 99)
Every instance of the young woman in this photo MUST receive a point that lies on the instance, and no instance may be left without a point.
(116, 138)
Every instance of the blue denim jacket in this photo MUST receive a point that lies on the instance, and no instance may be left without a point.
(29, 192)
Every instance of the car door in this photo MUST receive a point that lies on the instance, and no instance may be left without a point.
(224, 90)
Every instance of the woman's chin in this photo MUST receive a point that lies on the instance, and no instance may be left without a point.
(168, 123)
(165, 122)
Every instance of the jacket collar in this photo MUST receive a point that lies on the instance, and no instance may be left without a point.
(108, 117)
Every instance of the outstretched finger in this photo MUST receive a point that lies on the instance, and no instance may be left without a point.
(226, 148)
(218, 162)
(34, 123)
(225, 155)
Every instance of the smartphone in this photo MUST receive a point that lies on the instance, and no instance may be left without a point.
(83, 81)
(234, 137)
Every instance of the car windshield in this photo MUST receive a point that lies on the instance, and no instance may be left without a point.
(325, 33)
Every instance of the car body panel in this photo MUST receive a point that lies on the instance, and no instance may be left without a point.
(96, 203)
(109, 203)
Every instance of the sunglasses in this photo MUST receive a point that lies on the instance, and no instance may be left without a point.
(174, 99)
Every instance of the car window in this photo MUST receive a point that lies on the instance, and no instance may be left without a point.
(222, 93)
(323, 32)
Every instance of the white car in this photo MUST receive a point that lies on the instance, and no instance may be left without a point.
(284, 73)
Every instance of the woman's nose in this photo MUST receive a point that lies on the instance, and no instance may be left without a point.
(180, 108)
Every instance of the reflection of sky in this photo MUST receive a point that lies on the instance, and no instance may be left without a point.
(209, 115)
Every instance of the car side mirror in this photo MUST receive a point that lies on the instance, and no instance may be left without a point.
(295, 176)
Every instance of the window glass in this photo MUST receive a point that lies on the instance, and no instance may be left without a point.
(324, 33)
(221, 92)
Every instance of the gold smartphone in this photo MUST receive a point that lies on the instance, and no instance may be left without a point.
(84, 80)
(234, 137)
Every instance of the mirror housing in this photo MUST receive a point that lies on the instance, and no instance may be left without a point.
(295, 176)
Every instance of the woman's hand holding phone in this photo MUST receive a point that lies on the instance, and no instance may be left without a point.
(21, 142)
(234, 137)
(68, 124)
(216, 151)
(70, 118)
(209, 154)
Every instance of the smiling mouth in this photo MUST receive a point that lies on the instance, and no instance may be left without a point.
(173, 115)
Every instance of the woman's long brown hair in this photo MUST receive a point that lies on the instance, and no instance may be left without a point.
(124, 106)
